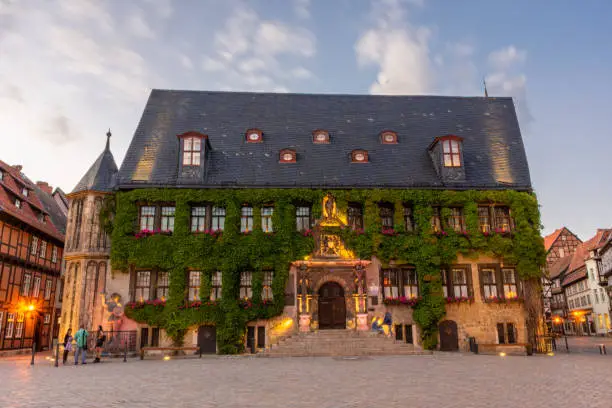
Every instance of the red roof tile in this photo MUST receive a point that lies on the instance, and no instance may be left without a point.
(11, 188)
(576, 270)
(549, 240)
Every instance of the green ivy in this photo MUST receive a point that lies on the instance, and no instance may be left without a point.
(234, 252)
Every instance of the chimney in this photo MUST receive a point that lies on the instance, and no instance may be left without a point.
(44, 186)
(17, 167)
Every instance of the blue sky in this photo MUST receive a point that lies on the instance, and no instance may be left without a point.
(71, 69)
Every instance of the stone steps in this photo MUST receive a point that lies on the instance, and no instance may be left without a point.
(326, 343)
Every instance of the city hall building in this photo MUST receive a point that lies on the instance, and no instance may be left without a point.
(237, 220)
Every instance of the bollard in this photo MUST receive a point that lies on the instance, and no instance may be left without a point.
(33, 352)
(602, 349)
(57, 353)
(125, 353)
(566, 345)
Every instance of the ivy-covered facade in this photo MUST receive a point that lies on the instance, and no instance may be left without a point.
(314, 212)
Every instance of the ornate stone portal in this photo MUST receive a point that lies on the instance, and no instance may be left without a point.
(331, 284)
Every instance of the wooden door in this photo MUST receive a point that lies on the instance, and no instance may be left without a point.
(332, 307)
(207, 339)
(449, 338)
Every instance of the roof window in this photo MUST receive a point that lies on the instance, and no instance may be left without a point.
(320, 136)
(287, 156)
(254, 136)
(388, 137)
(359, 156)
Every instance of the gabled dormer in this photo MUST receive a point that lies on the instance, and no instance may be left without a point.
(193, 151)
(446, 152)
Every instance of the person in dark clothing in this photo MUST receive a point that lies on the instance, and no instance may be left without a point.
(100, 339)
(388, 321)
(67, 344)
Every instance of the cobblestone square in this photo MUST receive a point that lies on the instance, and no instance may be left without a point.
(439, 380)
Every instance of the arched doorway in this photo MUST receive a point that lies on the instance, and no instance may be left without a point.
(332, 306)
(449, 339)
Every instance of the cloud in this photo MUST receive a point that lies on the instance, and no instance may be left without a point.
(58, 130)
(301, 8)
(398, 50)
(301, 73)
(186, 62)
(138, 26)
(506, 57)
(163, 8)
(255, 54)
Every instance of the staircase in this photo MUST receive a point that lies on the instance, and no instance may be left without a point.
(341, 343)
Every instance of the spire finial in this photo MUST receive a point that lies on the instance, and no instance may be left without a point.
(484, 81)
(108, 136)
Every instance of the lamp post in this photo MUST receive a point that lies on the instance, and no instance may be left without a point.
(31, 310)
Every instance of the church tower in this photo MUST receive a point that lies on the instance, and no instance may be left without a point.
(87, 251)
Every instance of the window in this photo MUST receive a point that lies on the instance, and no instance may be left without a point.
(43, 249)
(194, 285)
(561, 253)
(163, 283)
(54, 254)
(302, 218)
(25, 285)
(266, 293)
(167, 218)
(506, 333)
(47, 318)
(510, 283)
(143, 286)
(355, 216)
(34, 247)
(436, 225)
(408, 218)
(147, 218)
(218, 218)
(17, 203)
(392, 278)
(254, 136)
(452, 157)
(246, 281)
(192, 147)
(198, 219)
(386, 215)
(502, 219)
(48, 287)
(266, 219)
(596, 297)
(246, 219)
(456, 282)
(1, 175)
(41, 218)
(24, 192)
(19, 326)
(484, 219)
(388, 137)
(489, 283)
(320, 136)
(287, 156)
(36, 287)
(359, 156)
(456, 220)
(215, 285)
(10, 324)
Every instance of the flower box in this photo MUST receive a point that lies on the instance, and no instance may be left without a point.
(402, 301)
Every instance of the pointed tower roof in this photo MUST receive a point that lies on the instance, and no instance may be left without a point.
(102, 174)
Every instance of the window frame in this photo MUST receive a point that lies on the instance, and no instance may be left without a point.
(436, 219)
(408, 214)
(34, 245)
(216, 285)
(48, 289)
(500, 283)
(140, 287)
(300, 219)
(20, 320)
(164, 289)
(43, 249)
(191, 154)
(193, 285)
(150, 218)
(399, 278)
(18, 203)
(246, 219)
(266, 287)
(9, 331)
(267, 225)
(54, 254)
(449, 281)
(36, 281)
(456, 219)
(386, 213)
(246, 285)
(199, 218)
(355, 215)
(24, 290)
(487, 212)
(450, 157)
(167, 219)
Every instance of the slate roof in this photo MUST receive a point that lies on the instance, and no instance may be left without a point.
(494, 155)
(35, 203)
(101, 176)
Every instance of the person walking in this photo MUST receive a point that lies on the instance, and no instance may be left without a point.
(100, 339)
(388, 321)
(81, 345)
(67, 345)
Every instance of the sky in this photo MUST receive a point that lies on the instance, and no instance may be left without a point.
(72, 69)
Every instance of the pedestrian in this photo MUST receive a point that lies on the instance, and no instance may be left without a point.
(376, 327)
(81, 345)
(388, 321)
(67, 344)
(100, 339)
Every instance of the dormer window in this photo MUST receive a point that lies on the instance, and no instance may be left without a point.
(192, 149)
(17, 203)
(287, 156)
(24, 192)
(451, 152)
(388, 137)
(41, 218)
(254, 136)
(359, 156)
(320, 136)
(1, 175)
